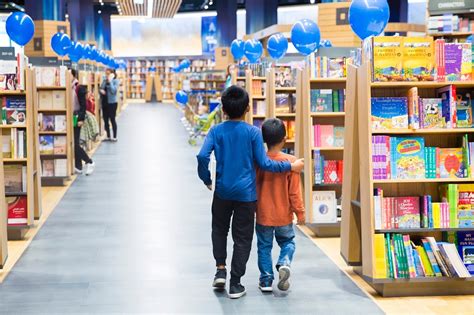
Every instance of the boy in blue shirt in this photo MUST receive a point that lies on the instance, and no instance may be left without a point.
(238, 147)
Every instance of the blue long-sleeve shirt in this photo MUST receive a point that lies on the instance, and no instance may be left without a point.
(238, 147)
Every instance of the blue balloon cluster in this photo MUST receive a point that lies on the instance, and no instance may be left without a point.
(253, 50)
(237, 48)
(186, 63)
(368, 17)
(20, 28)
(182, 97)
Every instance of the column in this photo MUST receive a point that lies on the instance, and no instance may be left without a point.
(226, 22)
(399, 11)
(103, 35)
(51, 10)
(260, 14)
(81, 17)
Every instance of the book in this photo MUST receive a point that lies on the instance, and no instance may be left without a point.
(283, 103)
(439, 260)
(389, 113)
(450, 161)
(464, 204)
(425, 261)
(17, 210)
(448, 103)
(284, 76)
(47, 168)
(418, 59)
(458, 61)
(48, 123)
(13, 178)
(59, 145)
(46, 144)
(321, 100)
(413, 108)
(338, 136)
(431, 258)
(327, 135)
(6, 146)
(324, 207)
(380, 257)
(465, 247)
(60, 123)
(408, 212)
(59, 100)
(431, 113)
(440, 61)
(15, 108)
(45, 99)
(387, 60)
(60, 167)
(407, 160)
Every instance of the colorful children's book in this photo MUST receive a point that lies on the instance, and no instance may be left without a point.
(338, 136)
(450, 163)
(408, 212)
(465, 245)
(431, 113)
(413, 108)
(448, 103)
(465, 206)
(389, 113)
(418, 59)
(327, 135)
(388, 58)
(46, 144)
(458, 60)
(407, 161)
(449, 193)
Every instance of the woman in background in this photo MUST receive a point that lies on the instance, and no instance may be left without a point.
(108, 91)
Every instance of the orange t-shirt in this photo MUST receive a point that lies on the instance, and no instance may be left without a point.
(278, 195)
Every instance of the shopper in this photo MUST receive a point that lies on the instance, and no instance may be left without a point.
(279, 196)
(108, 92)
(79, 93)
(237, 147)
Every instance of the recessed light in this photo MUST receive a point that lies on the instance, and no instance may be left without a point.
(206, 7)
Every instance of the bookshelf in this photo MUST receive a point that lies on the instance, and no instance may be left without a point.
(56, 134)
(3, 219)
(257, 88)
(21, 165)
(311, 118)
(358, 233)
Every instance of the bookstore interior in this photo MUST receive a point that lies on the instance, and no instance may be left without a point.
(376, 100)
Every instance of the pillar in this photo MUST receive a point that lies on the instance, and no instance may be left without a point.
(103, 34)
(260, 14)
(81, 17)
(51, 10)
(226, 22)
(398, 11)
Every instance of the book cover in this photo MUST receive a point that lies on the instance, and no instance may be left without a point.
(418, 59)
(59, 144)
(453, 61)
(47, 123)
(389, 113)
(450, 163)
(330, 172)
(282, 103)
(284, 77)
(408, 212)
(465, 245)
(47, 168)
(290, 129)
(13, 178)
(425, 261)
(431, 112)
(465, 206)
(46, 144)
(413, 108)
(327, 135)
(59, 100)
(6, 146)
(388, 58)
(60, 167)
(431, 257)
(45, 99)
(380, 257)
(15, 110)
(338, 136)
(324, 207)
(321, 100)
(17, 210)
(407, 157)
(449, 193)
(448, 105)
(60, 123)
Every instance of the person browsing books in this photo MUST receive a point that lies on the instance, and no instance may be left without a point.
(238, 147)
(79, 93)
(279, 197)
(108, 92)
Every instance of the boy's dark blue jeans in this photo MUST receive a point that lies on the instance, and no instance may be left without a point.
(285, 237)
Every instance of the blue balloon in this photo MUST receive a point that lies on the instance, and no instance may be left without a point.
(305, 36)
(60, 43)
(182, 97)
(20, 28)
(470, 39)
(237, 48)
(87, 52)
(368, 17)
(277, 46)
(94, 53)
(102, 57)
(75, 51)
(185, 64)
(253, 50)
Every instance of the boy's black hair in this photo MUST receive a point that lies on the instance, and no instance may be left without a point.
(235, 101)
(74, 73)
(273, 131)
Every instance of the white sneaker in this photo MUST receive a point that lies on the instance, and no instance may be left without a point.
(114, 139)
(284, 275)
(90, 168)
(77, 171)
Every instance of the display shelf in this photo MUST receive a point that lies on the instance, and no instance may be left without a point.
(327, 114)
(50, 88)
(14, 92)
(12, 126)
(451, 34)
(358, 232)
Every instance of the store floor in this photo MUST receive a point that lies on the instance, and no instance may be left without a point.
(135, 238)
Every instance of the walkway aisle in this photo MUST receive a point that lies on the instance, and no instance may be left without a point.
(135, 237)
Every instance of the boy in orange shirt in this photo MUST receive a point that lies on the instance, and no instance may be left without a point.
(278, 197)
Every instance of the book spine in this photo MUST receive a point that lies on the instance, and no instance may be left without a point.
(388, 250)
(409, 254)
(431, 258)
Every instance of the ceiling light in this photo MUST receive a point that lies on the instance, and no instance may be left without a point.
(206, 7)
(101, 3)
(211, 2)
(99, 12)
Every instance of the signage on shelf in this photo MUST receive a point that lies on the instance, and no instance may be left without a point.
(450, 6)
(7, 53)
(44, 61)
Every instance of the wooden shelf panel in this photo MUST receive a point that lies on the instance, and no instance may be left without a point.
(422, 84)
(329, 148)
(44, 110)
(423, 180)
(12, 126)
(259, 97)
(285, 114)
(328, 114)
(452, 34)
(10, 160)
(259, 78)
(285, 89)
(49, 88)
(423, 230)
(53, 133)
(8, 92)
(259, 116)
(424, 131)
(328, 80)
(14, 194)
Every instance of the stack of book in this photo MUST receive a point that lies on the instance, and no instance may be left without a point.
(52, 100)
(15, 178)
(408, 158)
(258, 69)
(449, 23)
(328, 136)
(285, 76)
(259, 107)
(14, 144)
(55, 123)
(326, 171)
(50, 145)
(258, 88)
(397, 257)
(397, 58)
(51, 76)
(452, 108)
(327, 100)
(326, 67)
(12, 72)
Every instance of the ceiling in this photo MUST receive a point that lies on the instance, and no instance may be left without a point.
(161, 9)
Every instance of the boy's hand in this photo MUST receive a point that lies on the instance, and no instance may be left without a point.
(209, 187)
(301, 221)
(297, 166)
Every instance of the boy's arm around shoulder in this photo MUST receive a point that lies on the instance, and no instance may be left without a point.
(267, 164)
(296, 200)
(204, 158)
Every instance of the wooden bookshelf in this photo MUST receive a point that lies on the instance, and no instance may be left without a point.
(30, 163)
(255, 97)
(66, 111)
(358, 220)
(3, 218)
(311, 118)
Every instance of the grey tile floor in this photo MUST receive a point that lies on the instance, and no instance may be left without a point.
(135, 238)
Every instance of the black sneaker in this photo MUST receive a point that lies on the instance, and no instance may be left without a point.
(219, 279)
(265, 285)
(284, 275)
(236, 291)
